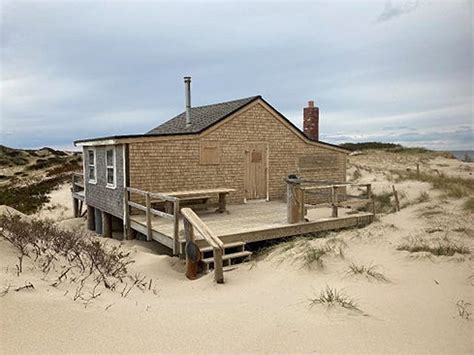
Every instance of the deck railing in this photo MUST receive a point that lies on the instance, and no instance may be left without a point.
(149, 212)
(191, 223)
(77, 182)
(298, 188)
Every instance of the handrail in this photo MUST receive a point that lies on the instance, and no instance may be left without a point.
(149, 211)
(191, 222)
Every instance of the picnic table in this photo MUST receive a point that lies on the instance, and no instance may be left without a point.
(203, 195)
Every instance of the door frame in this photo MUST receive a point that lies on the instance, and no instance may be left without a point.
(267, 170)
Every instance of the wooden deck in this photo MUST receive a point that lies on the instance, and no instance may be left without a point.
(252, 222)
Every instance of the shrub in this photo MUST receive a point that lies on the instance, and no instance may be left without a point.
(29, 199)
(383, 202)
(423, 197)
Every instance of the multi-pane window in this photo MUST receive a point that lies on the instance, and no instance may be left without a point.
(91, 165)
(110, 161)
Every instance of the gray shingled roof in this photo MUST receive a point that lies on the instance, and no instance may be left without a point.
(202, 117)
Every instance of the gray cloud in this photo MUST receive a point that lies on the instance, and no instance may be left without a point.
(392, 10)
(73, 70)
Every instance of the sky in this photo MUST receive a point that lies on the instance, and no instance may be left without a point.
(391, 71)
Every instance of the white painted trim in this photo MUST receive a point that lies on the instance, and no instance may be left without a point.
(113, 166)
(94, 181)
(96, 143)
(84, 176)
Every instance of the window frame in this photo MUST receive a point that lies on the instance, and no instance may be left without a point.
(93, 165)
(112, 185)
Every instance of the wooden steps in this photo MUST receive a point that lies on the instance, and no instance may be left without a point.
(234, 253)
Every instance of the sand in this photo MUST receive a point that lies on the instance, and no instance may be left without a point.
(264, 305)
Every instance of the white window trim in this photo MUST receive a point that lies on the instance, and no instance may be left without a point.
(92, 181)
(107, 167)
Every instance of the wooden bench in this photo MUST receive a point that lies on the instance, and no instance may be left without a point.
(194, 201)
(196, 195)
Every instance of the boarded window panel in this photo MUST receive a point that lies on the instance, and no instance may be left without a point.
(318, 161)
(209, 153)
(256, 157)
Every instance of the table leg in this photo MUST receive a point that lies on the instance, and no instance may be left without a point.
(221, 208)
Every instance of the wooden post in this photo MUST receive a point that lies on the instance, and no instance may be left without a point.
(127, 231)
(191, 266)
(395, 195)
(334, 201)
(75, 207)
(369, 191)
(417, 169)
(106, 224)
(221, 208)
(218, 266)
(149, 229)
(294, 203)
(81, 203)
(90, 218)
(176, 245)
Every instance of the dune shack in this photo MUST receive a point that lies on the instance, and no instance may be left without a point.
(216, 177)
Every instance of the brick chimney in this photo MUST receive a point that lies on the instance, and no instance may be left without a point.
(311, 121)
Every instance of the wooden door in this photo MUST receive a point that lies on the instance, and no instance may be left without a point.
(256, 171)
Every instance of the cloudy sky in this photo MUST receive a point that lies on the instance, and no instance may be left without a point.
(379, 70)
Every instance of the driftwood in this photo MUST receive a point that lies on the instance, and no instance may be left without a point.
(397, 201)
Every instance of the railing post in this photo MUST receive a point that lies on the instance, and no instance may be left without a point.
(294, 202)
(176, 245)
(149, 229)
(218, 266)
(127, 230)
(191, 265)
(334, 201)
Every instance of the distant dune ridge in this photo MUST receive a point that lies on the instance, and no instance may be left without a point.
(401, 284)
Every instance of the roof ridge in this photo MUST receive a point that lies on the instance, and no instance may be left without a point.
(228, 102)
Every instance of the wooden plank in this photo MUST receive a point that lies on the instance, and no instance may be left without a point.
(196, 192)
(149, 232)
(161, 214)
(202, 228)
(137, 206)
(136, 191)
(159, 237)
(295, 229)
(295, 203)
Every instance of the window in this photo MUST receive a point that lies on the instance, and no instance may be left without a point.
(209, 153)
(91, 165)
(110, 162)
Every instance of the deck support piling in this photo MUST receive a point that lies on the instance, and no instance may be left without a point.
(75, 207)
(90, 218)
(127, 230)
(98, 221)
(106, 225)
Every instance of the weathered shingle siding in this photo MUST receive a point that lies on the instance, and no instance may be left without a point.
(173, 163)
(98, 195)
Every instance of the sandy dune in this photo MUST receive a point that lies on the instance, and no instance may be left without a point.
(264, 305)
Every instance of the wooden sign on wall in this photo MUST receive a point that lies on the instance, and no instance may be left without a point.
(318, 161)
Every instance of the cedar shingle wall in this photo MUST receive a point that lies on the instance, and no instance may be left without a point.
(173, 164)
(98, 195)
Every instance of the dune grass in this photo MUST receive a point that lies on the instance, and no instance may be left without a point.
(331, 297)
(469, 204)
(370, 271)
(437, 247)
(455, 187)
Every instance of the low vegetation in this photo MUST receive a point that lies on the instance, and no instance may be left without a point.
(61, 255)
(437, 247)
(29, 199)
(331, 297)
(469, 204)
(456, 187)
(383, 202)
(370, 271)
(464, 309)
